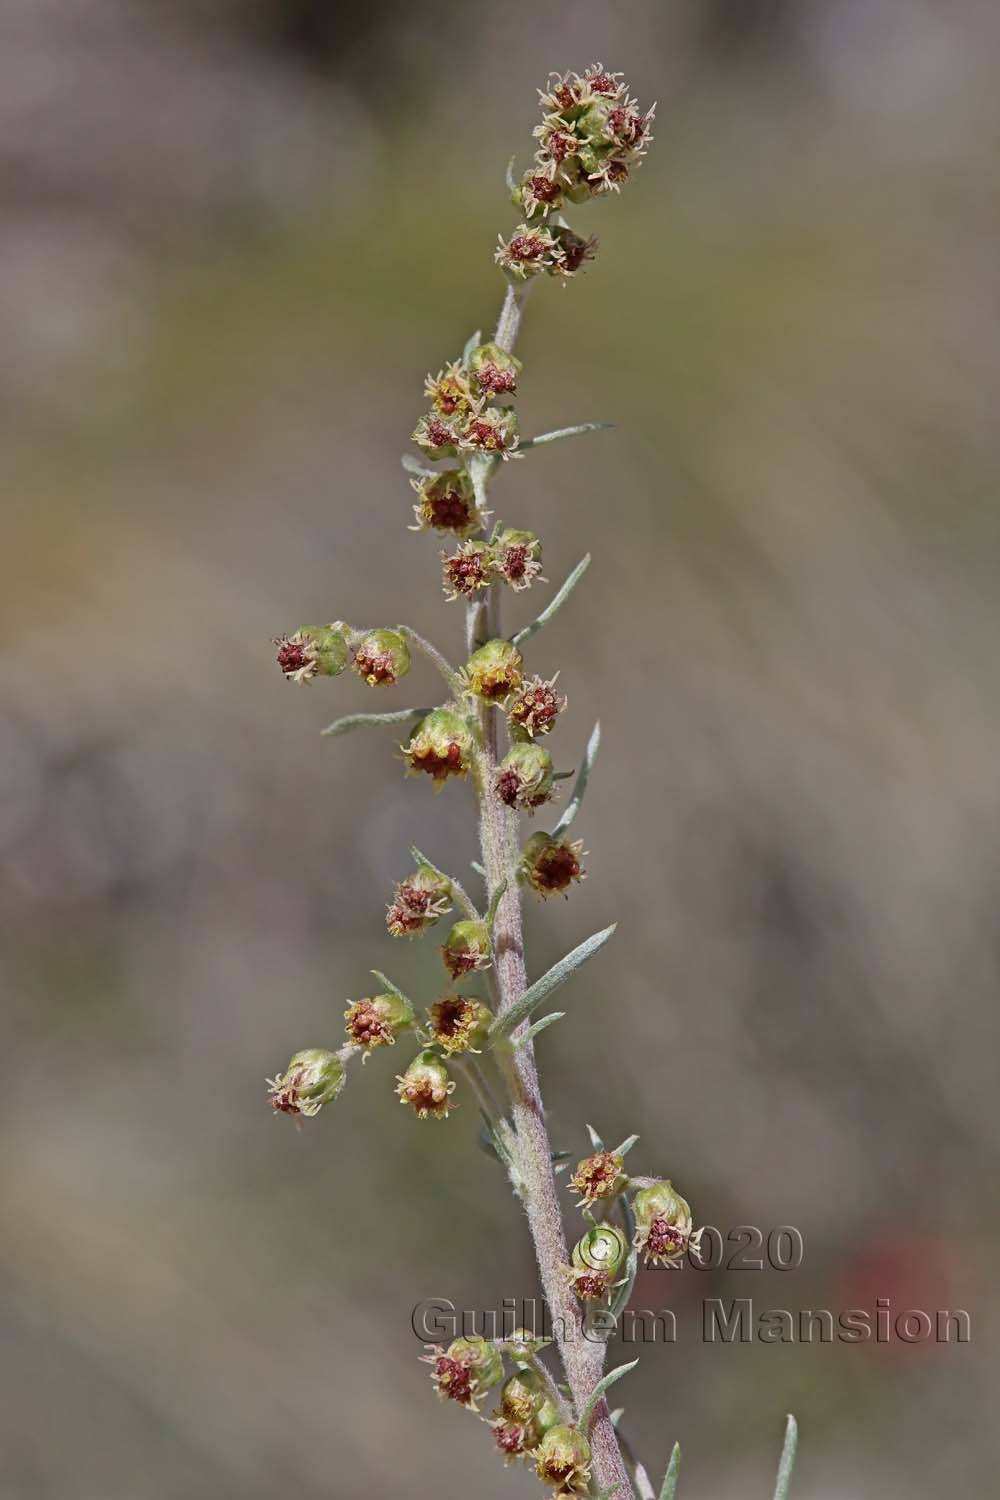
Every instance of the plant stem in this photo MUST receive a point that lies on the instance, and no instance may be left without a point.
(582, 1356)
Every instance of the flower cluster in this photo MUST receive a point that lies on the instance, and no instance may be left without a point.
(510, 556)
(468, 413)
(555, 249)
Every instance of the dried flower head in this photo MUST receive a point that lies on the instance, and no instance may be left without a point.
(458, 1024)
(441, 746)
(563, 1458)
(466, 949)
(663, 1223)
(313, 651)
(437, 436)
(377, 1021)
(517, 557)
(467, 570)
(449, 391)
(599, 1177)
(493, 371)
(314, 1077)
(572, 252)
(536, 707)
(426, 1086)
(465, 1370)
(490, 429)
(494, 671)
(381, 657)
(447, 503)
(524, 777)
(550, 865)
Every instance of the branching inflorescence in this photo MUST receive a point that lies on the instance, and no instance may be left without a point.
(591, 138)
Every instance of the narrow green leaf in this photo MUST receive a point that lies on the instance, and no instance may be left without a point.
(390, 988)
(562, 1157)
(556, 605)
(511, 179)
(564, 432)
(477, 867)
(787, 1459)
(669, 1489)
(583, 776)
(548, 984)
(495, 899)
(532, 1031)
(625, 1146)
(617, 1415)
(414, 466)
(604, 1384)
(595, 1139)
(372, 721)
(471, 342)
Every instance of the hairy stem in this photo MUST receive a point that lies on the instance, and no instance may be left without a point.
(582, 1355)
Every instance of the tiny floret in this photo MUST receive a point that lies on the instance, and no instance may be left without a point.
(524, 777)
(491, 430)
(426, 1086)
(563, 1458)
(663, 1223)
(446, 503)
(468, 570)
(465, 1370)
(377, 1021)
(493, 371)
(550, 866)
(437, 436)
(449, 391)
(418, 902)
(314, 1077)
(382, 657)
(518, 558)
(535, 708)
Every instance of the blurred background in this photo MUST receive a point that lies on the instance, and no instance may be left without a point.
(237, 233)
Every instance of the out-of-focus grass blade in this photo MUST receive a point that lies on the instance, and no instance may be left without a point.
(787, 1459)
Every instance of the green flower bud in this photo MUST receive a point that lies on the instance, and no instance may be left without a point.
(441, 746)
(313, 1078)
(465, 1370)
(447, 503)
(382, 657)
(377, 1021)
(663, 1223)
(426, 1086)
(493, 370)
(466, 949)
(418, 902)
(522, 1395)
(313, 651)
(597, 1258)
(518, 558)
(459, 1024)
(524, 777)
(563, 1458)
(551, 865)
(494, 671)
(600, 1177)
(522, 1346)
(467, 570)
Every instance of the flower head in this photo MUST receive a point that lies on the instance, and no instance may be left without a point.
(426, 1086)
(449, 391)
(314, 1077)
(491, 430)
(550, 865)
(377, 1021)
(313, 651)
(465, 1370)
(382, 657)
(597, 1257)
(531, 249)
(467, 570)
(466, 949)
(459, 1024)
(441, 746)
(524, 777)
(563, 1458)
(493, 371)
(447, 503)
(535, 708)
(599, 1177)
(663, 1223)
(418, 902)
(437, 436)
(494, 671)
(518, 557)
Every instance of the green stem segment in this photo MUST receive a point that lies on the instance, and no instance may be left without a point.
(582, 1356)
